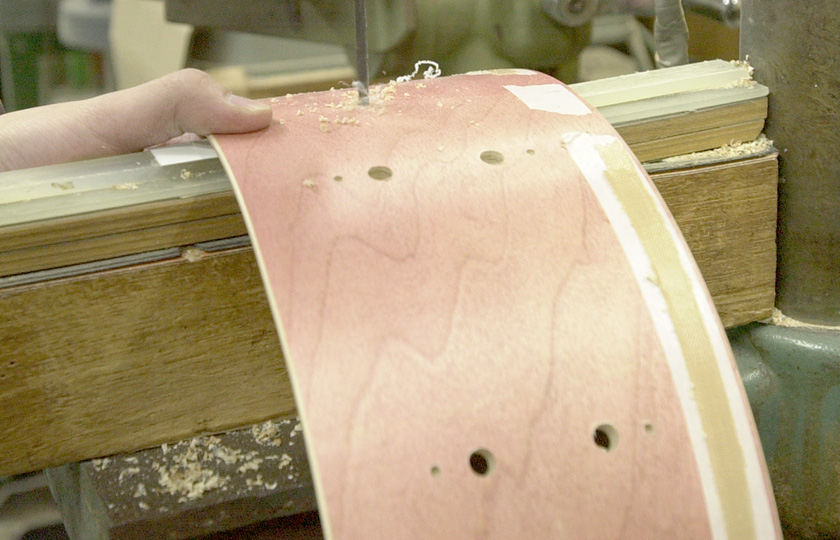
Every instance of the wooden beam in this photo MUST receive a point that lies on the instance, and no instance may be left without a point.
(727, 214)
(127, 359)
(698, 140)
(674, 125)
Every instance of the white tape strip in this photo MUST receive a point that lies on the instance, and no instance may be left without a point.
(183, 153)
(553, 98)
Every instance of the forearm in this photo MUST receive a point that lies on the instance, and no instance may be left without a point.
(126, 121)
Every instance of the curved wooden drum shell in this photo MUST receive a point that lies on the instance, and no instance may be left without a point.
(492, 325)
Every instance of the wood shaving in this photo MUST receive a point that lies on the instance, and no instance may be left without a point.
(186, 174)
(127, 473)
(140, 491)
(780, 319)
(190, 254)
(255, 482)
(267, 434)
(252, 465)
(101, 464)
(125, 186)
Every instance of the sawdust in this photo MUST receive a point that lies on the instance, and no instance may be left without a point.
(101, 464)
(126, 473)
(733, 150)
(191, 466)
(267, 434)
(252, 465)
(191, 254)
(780, 319)
(126, 186)
(745, 63)
(189, 473)
(190, 469)
(285, 461)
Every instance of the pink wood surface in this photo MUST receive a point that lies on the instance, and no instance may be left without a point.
(445, 282)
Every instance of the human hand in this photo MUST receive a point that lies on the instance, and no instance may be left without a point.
(185, 102)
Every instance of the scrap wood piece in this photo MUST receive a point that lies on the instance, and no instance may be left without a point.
(477, 324)
(188, 488)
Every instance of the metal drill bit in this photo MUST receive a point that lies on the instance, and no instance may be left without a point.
(362, 53)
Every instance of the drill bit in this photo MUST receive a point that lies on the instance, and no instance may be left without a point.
(363, 71)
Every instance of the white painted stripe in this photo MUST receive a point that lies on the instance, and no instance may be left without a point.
(583, 148)
(762, 505)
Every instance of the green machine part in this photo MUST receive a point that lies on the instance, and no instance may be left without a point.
(792, 379)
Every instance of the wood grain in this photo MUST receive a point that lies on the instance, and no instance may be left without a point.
(115, 221)
(727, 214)
(691, 122)
(127, 359)
(137, 241)
(437, 269)
(697, 141)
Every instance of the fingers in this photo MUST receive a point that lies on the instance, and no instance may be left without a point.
(203, 106)
(187, 101)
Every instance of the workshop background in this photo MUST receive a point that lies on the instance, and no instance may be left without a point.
(58, 50)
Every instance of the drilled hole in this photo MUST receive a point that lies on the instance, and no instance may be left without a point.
(482, 462)
(530, 151)
(435, 471)
(606, 437)
(380, 173)
(649, 428)
(338, 178)
(492, 157)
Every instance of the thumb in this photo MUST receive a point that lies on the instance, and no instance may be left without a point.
(187, 101)
(202, 106)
